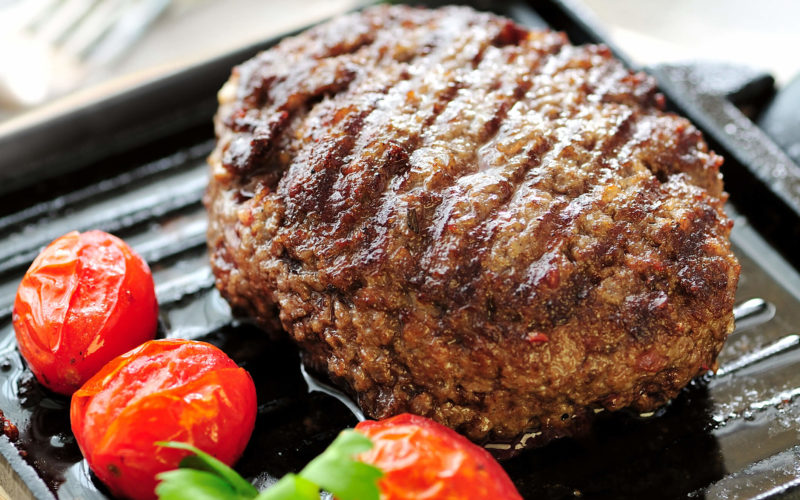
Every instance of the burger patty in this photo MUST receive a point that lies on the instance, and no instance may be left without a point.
(457, 217)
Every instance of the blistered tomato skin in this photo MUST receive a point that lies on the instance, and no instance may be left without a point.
(424, 460)
(87, 298)
(165, 390)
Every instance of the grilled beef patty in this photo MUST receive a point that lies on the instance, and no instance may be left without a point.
(459, 218)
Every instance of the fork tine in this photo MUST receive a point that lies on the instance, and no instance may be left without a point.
(36, 12)
(61, 21)
(133, 21)
(92, 28)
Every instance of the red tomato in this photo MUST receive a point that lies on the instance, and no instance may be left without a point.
(424, 460)
(165, 390)
(85, 299)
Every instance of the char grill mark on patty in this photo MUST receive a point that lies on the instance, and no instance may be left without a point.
(371, 207)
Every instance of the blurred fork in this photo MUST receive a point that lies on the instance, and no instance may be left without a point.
(47, 47)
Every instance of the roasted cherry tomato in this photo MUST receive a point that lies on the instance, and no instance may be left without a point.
(164, 390)
(424, 460)
(86, 298)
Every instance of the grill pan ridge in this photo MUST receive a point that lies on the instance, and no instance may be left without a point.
(735, 434)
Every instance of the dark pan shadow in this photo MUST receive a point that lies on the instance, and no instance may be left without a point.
(671, 455)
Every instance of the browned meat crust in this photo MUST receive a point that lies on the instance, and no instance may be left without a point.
(462, 219)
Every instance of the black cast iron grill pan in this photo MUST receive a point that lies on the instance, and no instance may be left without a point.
(134, 164)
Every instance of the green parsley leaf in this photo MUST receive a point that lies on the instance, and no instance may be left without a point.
(202, 461)
(291, 487)
(337, 471)
(189, 484)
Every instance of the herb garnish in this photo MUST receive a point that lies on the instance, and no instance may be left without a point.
(336, 470)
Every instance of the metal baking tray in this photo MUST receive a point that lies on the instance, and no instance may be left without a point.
(134, 164)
